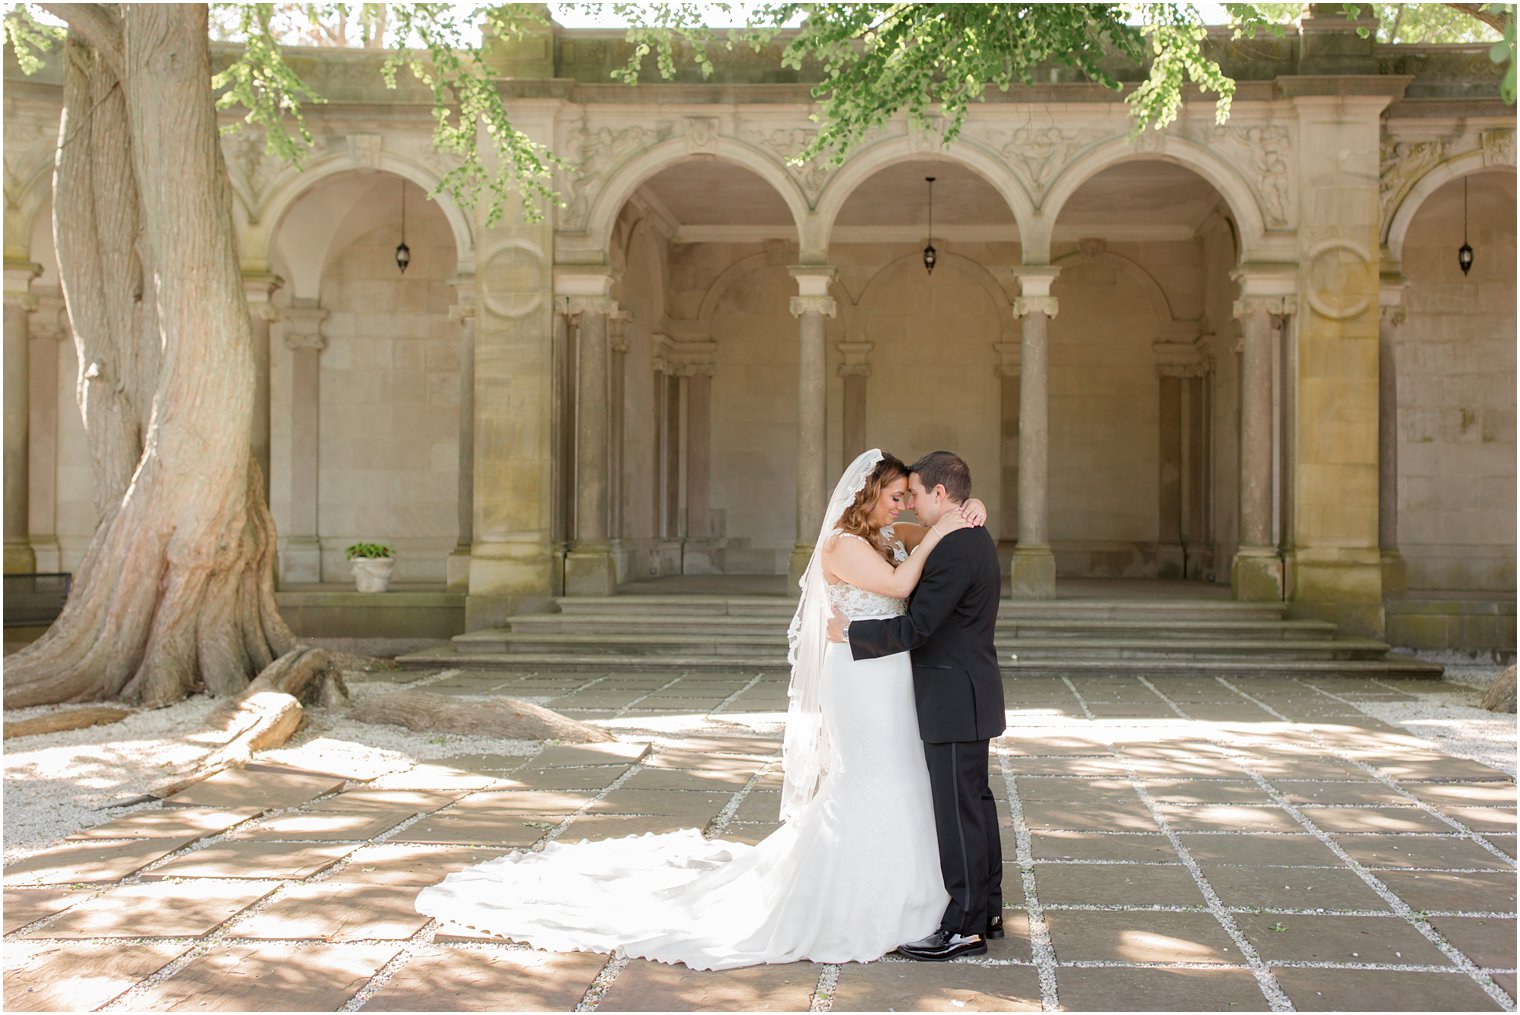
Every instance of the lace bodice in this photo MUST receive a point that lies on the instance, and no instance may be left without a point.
(857, 603)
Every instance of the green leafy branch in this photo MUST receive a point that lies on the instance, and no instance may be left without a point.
(28, 38)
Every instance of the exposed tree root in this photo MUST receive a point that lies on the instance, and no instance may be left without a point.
(507, 718)
(58, 722)
(1500, 696)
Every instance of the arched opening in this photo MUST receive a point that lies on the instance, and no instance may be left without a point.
(1142, 376)
(1454, 361)
(703, 373)
(364, 379)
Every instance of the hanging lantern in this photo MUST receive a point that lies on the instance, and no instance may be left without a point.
(403, 252)
(931, 256)
(1465, 251)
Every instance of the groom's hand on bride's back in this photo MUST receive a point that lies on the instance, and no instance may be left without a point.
(837, 624)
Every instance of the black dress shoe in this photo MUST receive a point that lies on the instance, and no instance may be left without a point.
(994, 927)
(942, 945)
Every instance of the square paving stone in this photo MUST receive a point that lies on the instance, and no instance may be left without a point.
(517, 830)
(442, 777)
(1100, 989)
(1482, 819)
(748, 832)
(74, 862)
(268, 977)
(1139, 936)
(654, 986)
(1437, 851)
(254, 860)
(456, 979)
(405, 802)
(1116, 885)
(762, 806)
(1386, 939)
(1363, 794)
(1381, 990)
(491, 763)
(1443, 769)
(618, 826)
(1293, 888)
(73, 976)
(160, 909)
(917, 986)
(337, 912)
(531, 802)
(588, 754)
(404, 864)
(1131, 816)
(1205, 791)
(1041, 787)
(334, 826)
(684, 779)
(265, 788)
(1133, 847)
(1374, 819)
(592, 778)
(1504, 843)
(1259, 850)
(176, 822)
(1228, 818)
(24, 906)
(1300, 768)
(1466, 794)
(1487, 940)
(695, 806)
(1445, 891)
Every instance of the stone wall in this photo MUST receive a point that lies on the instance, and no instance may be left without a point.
(1456, 393)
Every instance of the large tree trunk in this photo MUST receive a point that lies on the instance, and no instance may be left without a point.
(175, 591)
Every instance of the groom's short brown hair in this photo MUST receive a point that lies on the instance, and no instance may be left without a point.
(944, 468)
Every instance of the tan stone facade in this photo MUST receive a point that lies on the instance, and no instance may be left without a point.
(1239, 353)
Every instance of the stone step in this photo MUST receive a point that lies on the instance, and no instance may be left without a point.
(1390, 667)
(1009, 609)
(728, 625)
(686, 643)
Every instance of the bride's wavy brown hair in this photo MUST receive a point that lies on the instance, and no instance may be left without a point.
(856, 519)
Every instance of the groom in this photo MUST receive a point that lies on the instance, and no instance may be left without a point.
(959, 694)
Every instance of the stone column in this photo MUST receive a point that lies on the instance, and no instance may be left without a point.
(1395, 573)
(301, 561)
(856, 372)
(1169, 553)
(19, 304)
(589, 568)
(457, 568)
(48, 328)
(1333, 560)
(811, 306)
(1256, 574)
(1032, 573)
(259, 289)
(1007, 372)
(617, 425)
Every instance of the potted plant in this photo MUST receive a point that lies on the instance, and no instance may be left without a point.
(372, 563)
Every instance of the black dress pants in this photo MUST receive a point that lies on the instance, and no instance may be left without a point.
(966, 824)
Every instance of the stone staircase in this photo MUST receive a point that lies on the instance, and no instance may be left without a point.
(1126, 637)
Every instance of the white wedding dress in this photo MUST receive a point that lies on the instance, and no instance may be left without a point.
(854, 874)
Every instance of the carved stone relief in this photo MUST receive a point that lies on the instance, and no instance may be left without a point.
(1403, 163)
(592, 154)
(784, 143)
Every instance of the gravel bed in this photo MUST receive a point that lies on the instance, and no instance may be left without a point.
(1448, 715)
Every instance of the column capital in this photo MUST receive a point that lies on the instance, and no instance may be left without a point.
(1035, 279)
(18, 282)
(1182, 359)
(462, 311)
(1272, 306)
(1391, 295)
(824, 305)
(603, 306)
(1025, 305)
(303, 327)
(587, 280)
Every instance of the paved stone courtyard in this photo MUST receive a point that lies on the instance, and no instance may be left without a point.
(1171, 843)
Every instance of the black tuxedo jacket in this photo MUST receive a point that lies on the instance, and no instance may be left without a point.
(948, 628)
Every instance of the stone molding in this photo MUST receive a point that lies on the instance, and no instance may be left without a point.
(1272, 306)
(606, 306)
(18, 283)
(855, 354)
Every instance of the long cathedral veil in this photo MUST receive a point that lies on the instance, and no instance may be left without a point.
(805, 749)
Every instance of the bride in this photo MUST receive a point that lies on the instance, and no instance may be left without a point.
(853, 871)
